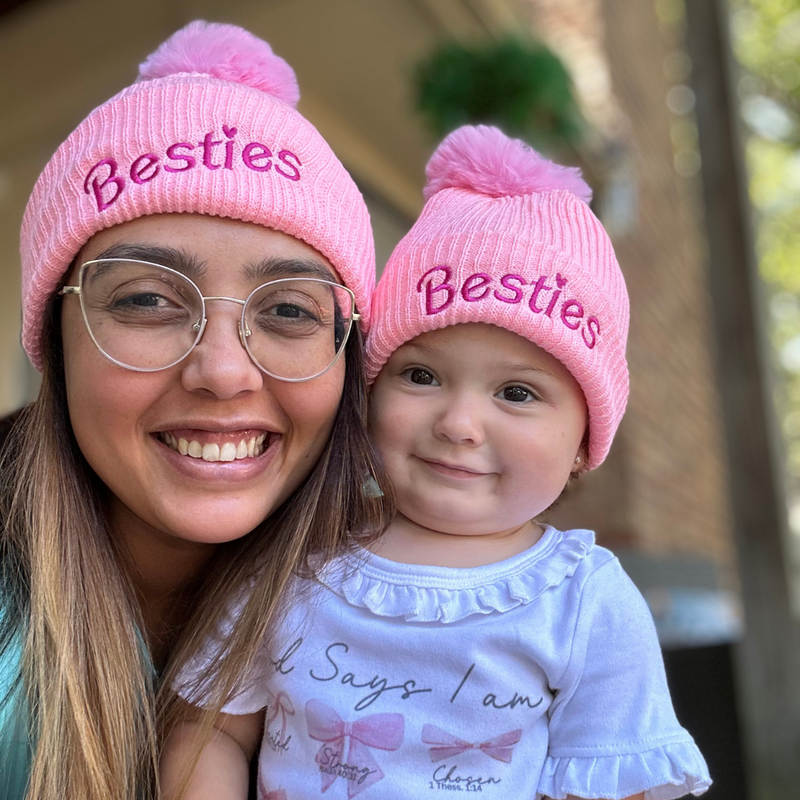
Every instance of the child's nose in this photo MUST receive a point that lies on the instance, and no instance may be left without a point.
(460, 422)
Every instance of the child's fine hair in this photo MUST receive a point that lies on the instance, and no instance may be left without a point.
(507, 238)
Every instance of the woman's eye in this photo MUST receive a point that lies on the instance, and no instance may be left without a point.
(142, 300)
(288, 310)
(420, 376)
(517, 394)
(279, 310)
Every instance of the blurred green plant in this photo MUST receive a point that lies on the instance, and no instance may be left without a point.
(520, 86)
(766, 40)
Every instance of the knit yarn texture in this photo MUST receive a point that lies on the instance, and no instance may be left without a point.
(538, 264)
(192, 143)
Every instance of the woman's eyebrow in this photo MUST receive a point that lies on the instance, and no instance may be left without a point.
(178, 260)
(262, 271)
(272, 268)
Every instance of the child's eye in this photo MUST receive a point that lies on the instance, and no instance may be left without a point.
(517, 394)
(420, 376)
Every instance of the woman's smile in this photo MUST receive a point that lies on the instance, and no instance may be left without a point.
(218, 456)
(213, 446)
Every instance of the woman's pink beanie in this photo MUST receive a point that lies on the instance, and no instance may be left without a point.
(209, 127)
(507, 238)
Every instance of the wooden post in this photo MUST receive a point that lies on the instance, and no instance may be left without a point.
(768, 658)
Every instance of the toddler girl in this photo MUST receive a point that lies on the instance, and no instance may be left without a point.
(473, 649)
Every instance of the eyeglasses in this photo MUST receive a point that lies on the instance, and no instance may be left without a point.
(146, 318)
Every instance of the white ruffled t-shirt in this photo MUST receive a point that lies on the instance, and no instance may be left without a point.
(537, 676)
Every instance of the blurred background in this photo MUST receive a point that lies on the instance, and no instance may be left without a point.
(685, 118)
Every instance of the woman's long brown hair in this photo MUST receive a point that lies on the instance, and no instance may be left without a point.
(66, 598)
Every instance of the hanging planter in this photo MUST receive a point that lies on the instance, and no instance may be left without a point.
(520, 86)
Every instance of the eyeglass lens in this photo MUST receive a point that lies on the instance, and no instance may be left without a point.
(147, 317)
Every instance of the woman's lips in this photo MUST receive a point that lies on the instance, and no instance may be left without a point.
(218, 466)
(213, 446)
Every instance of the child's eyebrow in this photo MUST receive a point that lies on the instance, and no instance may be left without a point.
(420, 348)
(525, 368)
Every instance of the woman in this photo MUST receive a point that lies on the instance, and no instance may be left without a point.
(194, 259)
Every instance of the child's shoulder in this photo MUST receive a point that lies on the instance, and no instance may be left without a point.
(600, 586)
(581, 545)
(598, 572)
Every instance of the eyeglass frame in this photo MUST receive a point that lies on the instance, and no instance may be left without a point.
(244, 330)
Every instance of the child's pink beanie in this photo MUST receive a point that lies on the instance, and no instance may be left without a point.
(507, 238)
(209, 127)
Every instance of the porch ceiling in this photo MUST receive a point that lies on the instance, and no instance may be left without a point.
(353, 58)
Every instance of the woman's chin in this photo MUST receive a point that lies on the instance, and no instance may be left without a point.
(214, 528)
(199, 523)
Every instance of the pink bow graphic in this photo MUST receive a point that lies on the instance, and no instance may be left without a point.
(381, 731)
(279, 704)
(264, 794)
(445, 745)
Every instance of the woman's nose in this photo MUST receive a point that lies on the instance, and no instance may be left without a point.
(219, 363)
(460, 421)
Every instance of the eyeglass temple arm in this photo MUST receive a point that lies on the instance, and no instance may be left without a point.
(70, 290)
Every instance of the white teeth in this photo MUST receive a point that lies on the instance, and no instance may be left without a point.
(210, 452)
(229, 451)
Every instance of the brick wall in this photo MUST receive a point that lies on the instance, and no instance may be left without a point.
(663, 490)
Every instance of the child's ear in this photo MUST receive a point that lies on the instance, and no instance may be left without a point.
(581, 458)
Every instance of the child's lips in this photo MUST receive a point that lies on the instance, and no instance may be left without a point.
(454, 470)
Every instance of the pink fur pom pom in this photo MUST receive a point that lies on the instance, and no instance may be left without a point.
(226, 52)
(483, 159)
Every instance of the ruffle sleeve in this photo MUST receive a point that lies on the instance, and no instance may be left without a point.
(662, 773)
(613, 731)
(196, 681)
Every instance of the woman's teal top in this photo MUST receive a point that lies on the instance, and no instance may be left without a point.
(15, 741)
(15, 729)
